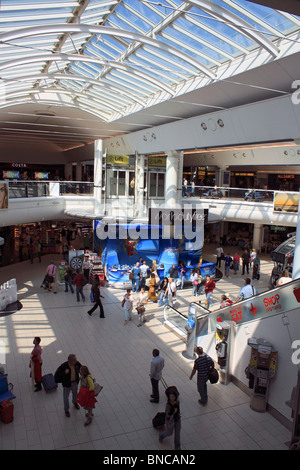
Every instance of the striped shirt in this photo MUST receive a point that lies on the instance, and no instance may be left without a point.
(202, 365)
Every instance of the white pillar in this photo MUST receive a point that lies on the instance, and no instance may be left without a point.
(141, 209)
(171, 182)
(257, 236)
(296, 260)
(98, 155)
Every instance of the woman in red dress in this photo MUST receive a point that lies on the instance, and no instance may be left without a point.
(36, 364)
(86, 395)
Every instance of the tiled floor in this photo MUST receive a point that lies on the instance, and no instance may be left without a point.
(119, 357)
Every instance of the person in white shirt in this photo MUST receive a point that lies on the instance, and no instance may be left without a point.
(142, 299)
(220, 252)
(144, 273)
(86, 266)
(127, 304)
(171, 292)
(247, 291)
(156, 368)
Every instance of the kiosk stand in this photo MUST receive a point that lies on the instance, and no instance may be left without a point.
(262, 367)
(224, 347)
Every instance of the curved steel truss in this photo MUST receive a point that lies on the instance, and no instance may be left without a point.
(120, 56)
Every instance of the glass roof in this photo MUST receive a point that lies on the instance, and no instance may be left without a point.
(114, 57)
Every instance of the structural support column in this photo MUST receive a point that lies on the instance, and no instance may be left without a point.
(98, 155)
(140, 204)
(172, 184)
(296, 260)
(257, 236)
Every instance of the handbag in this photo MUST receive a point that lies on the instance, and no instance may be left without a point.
(213, 374)
(140, 309)
(195, 282)
(98, 388)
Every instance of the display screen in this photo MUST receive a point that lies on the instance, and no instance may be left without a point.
(39, 175)
(10, 174)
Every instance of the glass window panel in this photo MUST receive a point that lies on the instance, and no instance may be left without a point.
(160, 184)
(131, 189)
(112, 178)
(152, 185)
(122, 183)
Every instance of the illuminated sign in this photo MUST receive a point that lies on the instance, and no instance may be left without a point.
(118, 159)
(286, 202)
(157, 161)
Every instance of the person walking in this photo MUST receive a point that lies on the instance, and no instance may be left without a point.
(245, 261)
(69, 279)
(36, 364)
(200, 282)
(86, 395)
(86, 266)
(152, 288)
(246, 291)
(173, 272)
(156, 369)
(50, 277)
(68, 375)
(236, 262)
(194, 279)
(171, 292)
(182, 274)
(142, 299)
(220, 253)
(256, 266)
(144, 273)
(202, 365)
(209, 288)
(163, 296)
(79, 282)
(227, 263)
(97, 299)
(173, 417)
(127, 304)
(136, 274)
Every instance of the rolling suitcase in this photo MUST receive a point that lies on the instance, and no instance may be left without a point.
(7, 411)
(159, 420)
(49, 383)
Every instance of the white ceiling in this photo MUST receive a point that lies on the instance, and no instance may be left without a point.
(61, 120)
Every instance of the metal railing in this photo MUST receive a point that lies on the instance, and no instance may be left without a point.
(28, 188)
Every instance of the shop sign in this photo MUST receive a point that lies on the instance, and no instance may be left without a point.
(263, 305)
(157, 161)
(117, 159)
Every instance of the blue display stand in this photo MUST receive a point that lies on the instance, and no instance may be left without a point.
(119, 255)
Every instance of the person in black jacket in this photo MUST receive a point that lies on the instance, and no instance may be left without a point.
(97, 299)
(68, 375)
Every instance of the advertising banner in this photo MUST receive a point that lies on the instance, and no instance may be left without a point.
(286, 202)
(280, 300)
(3, 195)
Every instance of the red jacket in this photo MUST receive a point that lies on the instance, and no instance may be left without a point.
(78, 280)
(209, 286)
